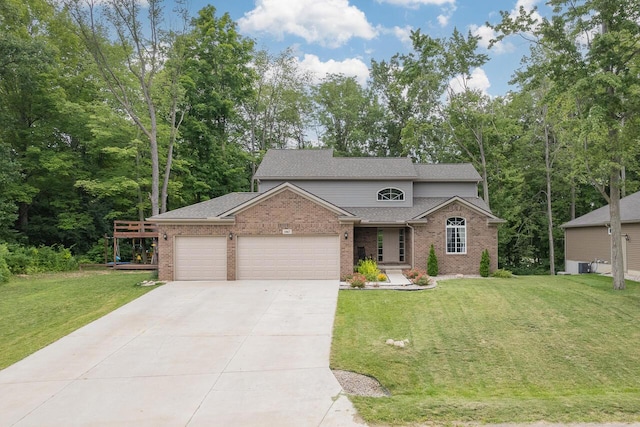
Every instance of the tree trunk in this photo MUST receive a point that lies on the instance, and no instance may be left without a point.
(547, 162)
(617, 261)
(485, 183)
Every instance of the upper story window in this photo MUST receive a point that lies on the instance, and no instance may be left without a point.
(391, 194)
(456, 236)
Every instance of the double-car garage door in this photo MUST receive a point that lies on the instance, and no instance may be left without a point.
(258, 257)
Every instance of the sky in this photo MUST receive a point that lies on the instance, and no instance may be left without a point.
(343, 36)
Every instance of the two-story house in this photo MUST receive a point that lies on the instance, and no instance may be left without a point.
(314, 215)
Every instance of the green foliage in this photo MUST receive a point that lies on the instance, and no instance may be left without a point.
(5, 273)
(30, 260)
(422, 280)
(368, 268)
(485, 263)
(432, 262)
(501, 273)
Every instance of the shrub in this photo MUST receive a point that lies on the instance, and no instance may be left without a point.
(30, 260)
(412, 274)
(423, 280)
(432, 262)
(368, 268)
(382, 277)
(501, 273)
(4, 269)
(357, 280)
(485, 263)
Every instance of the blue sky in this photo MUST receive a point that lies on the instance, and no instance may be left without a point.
(342, 36)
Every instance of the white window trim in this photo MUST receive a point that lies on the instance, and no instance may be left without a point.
(446, 234)
(402, 194)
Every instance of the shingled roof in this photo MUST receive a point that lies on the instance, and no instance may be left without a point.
(629, 212)
(321, 164)
(447, 172)
(209, 208)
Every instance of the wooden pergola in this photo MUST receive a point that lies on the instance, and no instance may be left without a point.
(138, 232)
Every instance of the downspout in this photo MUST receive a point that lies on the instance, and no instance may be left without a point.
(413, 244)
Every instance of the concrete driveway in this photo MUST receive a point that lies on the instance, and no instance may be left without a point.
(245, 353)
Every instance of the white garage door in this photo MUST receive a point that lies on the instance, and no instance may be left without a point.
(289, 257)
(200, 258)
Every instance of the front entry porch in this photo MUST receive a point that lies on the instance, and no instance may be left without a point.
(388, 246)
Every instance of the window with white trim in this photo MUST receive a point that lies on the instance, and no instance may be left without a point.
(390, 194)
(456, 235)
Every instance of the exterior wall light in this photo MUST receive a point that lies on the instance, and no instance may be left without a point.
(230, 235)
(346, 235)
(164, 236)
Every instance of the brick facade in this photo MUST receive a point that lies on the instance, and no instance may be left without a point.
(290, 210)
(283, 210)
(480, 236)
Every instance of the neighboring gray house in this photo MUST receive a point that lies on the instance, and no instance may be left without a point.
(315, 215)
(588, 238)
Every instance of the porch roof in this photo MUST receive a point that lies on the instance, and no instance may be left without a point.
(421, 205)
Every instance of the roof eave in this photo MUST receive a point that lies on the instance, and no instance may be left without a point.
(178, 221)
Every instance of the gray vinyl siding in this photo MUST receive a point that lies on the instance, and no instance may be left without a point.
(445, 189)
(356, 194)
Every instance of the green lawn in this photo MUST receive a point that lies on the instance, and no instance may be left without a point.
(559, 349)
(37, 310)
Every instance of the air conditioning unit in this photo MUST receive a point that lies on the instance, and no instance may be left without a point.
(583, 267)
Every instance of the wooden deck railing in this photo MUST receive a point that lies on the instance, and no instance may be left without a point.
(134, 229)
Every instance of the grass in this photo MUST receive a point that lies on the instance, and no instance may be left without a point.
(37, 310)
(559, 349)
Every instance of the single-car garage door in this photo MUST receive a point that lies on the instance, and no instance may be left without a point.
(288, 257)
(200, 258)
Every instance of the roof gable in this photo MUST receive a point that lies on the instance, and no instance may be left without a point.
(286, 186)
(473, 206)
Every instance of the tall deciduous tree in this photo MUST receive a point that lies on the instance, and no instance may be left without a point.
(130, 65)
(347, 114)
(217, 79)
(594, 54)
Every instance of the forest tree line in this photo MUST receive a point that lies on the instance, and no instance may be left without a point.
(108, 112)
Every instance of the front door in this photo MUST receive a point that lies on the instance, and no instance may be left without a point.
(390, 245)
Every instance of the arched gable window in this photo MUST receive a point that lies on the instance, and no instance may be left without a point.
(390, 194)
(456, 235)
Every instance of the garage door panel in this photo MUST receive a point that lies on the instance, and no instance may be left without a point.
(288, 257)
(200, 258)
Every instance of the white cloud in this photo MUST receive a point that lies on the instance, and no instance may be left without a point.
(403, 34)
(329, 23)
(443, 20)
(486, 34)
(445, 16)
(478, 80)
(418, 3)
(349, 67)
